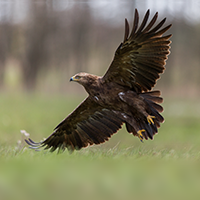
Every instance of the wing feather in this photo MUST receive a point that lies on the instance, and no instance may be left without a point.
(151, 23)
(135, 23)
(140, 59)
(143, 24)
(88, 124)
(126, 30)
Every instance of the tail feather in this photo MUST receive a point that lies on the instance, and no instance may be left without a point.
(156, 106)
(153, 96)
(152, 100)
(149, 130)
(155, 113)
(132, 130)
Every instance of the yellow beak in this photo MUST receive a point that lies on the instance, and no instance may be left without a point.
(73, 79)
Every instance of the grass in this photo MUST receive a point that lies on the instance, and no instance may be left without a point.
(123, 168)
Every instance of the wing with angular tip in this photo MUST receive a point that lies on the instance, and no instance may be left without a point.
(140, 59)
(89, 124)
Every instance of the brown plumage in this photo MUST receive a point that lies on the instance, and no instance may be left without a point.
(122, 95)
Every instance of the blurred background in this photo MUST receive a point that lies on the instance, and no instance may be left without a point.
(44, 42)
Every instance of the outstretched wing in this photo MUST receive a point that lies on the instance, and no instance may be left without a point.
(140, 59)
(90, 124)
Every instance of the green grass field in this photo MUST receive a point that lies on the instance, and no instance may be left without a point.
(123, 168)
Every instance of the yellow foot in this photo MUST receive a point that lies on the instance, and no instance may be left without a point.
(150, 119)
(140, 135)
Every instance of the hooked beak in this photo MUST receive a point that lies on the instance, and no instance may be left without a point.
(74, 78)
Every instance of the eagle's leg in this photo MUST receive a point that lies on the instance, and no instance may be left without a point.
(140, 135)
(150, 119)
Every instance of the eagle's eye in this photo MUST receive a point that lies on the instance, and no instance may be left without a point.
(77, 77)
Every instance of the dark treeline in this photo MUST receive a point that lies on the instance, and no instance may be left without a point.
(72, 40)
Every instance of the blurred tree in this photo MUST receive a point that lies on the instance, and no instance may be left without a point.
(35, 54)
(80, 28)
(70, 36)
(5, 47)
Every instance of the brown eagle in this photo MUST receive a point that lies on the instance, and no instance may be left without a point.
(122, 95)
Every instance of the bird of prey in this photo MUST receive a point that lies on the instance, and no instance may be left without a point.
(122, 96)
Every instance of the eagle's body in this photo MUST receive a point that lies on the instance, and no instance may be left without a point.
(122, 95)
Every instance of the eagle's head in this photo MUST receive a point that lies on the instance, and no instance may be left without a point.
(84, 79)
(81, 78)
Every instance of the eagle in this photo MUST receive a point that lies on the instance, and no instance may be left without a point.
(122, 96)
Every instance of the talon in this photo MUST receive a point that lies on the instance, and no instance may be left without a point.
(150, 119)
(140, 135)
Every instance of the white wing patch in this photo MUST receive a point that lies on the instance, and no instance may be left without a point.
(121, 95)
(124, 115)
(96, 98)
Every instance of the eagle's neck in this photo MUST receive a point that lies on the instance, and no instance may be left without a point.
(92, 86)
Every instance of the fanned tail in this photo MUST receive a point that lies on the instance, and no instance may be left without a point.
(153, 100)
(149, 127)
(154, 117)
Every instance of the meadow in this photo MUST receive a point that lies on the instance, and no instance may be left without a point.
(123, 168)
